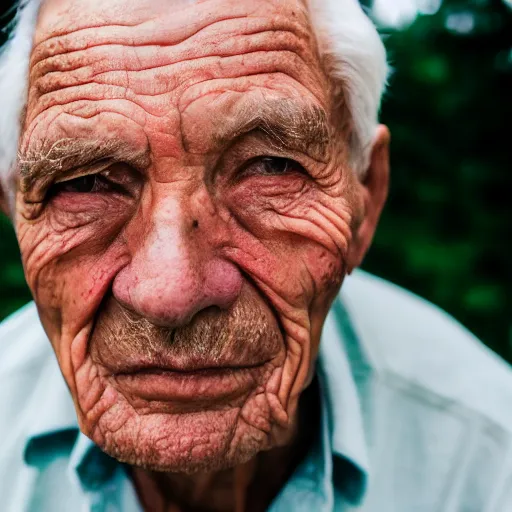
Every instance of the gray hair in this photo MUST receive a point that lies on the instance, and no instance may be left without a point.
(346, 36)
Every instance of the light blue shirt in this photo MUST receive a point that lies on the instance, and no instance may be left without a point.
(416, 417)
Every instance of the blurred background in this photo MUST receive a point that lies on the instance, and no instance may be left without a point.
(446, 233)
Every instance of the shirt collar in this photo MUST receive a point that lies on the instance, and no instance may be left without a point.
(55, 423)
(89, 466)
(337, 461)
(342, 371)
(55, 431)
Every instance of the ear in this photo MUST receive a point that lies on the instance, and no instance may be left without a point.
(374, 189)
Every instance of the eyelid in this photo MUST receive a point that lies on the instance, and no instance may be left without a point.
(97, 168)
(245, 168)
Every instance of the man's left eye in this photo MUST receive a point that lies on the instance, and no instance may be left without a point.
(275, 166)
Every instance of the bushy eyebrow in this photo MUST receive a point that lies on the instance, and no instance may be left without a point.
(288, 124)
(37, 168)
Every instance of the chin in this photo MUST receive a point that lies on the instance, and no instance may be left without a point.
(201, 441)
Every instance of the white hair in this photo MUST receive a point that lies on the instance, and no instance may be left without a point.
(358, 69)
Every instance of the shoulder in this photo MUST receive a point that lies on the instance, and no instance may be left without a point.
(408, 338)
(36, 409)
(26, 360)
(23, 342)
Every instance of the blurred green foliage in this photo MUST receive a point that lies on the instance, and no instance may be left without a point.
(446, 231)
(13, 291)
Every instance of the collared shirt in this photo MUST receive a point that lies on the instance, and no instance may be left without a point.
(416, 416)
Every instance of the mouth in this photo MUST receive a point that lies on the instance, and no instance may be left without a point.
(219, 357)
(193, 387)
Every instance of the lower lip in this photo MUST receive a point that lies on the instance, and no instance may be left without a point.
(209, 386)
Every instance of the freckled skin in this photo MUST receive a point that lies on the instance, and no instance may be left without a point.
(195, 236)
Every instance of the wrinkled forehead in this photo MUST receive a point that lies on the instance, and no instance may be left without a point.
(159, 76)
(160, 58)
(181, 18)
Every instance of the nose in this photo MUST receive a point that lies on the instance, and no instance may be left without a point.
(175, 271)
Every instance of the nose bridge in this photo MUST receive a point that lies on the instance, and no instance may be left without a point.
(180, 211)
(175, 272)
(180, 222)
(168, 248)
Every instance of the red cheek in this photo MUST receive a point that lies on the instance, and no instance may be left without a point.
(89, 279)
(71, 268)
(98, 278)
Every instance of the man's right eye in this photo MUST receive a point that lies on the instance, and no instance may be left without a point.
(90, 183)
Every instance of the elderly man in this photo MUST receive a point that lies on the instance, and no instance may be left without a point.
(190, 183)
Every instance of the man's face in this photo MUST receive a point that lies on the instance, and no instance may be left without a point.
(184, 215)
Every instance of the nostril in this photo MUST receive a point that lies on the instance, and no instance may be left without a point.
(195, 224)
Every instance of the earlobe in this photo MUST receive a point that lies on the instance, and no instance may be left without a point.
(374, 188)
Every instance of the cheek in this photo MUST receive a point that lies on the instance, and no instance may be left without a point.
(70, 254)
(294, 237)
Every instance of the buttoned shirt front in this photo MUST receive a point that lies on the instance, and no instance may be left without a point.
(416, 416)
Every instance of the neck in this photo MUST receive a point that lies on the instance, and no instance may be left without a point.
(250, 487)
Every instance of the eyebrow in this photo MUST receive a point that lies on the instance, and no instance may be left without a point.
(288, 124)
(37, 168)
